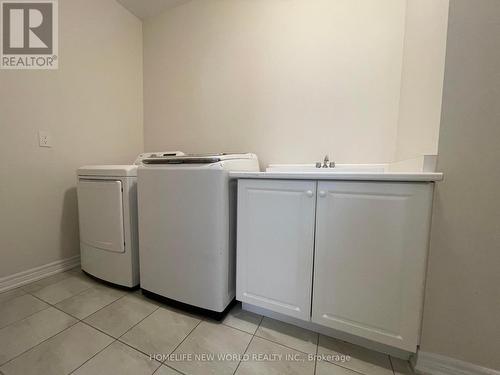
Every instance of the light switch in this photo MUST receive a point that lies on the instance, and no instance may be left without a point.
(44, 139)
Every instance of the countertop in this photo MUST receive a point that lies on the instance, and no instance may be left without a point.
(348, 176)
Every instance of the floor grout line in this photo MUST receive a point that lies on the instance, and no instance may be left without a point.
(316, 356)
(107, 346)
(108, 334)
(43, 278)
(118, 338)
(184, 339)
(103, 307)
(392, 365)
(246, 349)
(140, 321)
(53, 304)
(81, 320)
(161, 364)
(286, 346)
(137, 350)
(65, 299)
(260, 322)
(173, 368)
(74, 295)
(77, 320)
(279, 343)
(97, 310)
(99, 330)
(344, 367)
(173, 350)
(26, 317)
(40, 343)
(14, 297)
(238, 329)
(339, 364)
(208, 320)
(158, 306)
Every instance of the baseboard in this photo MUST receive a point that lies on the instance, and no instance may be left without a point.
(394, 352)
(25, 277)
(435, 364)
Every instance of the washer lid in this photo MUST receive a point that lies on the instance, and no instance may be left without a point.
(108, 170)
(196, 158)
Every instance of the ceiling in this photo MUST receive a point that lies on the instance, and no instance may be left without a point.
(147, 8)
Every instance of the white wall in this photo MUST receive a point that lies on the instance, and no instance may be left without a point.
(290, 80)
(462, 307)
(92, 106)
(422, 78)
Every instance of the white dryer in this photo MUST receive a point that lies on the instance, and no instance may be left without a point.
(107, 210)
(187, 207)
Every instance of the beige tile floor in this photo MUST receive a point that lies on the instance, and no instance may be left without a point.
(71, 324)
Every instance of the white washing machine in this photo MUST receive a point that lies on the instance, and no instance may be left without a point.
(187, 217)
(107, 210)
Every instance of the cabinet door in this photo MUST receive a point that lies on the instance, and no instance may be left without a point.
(275, 241)
(370, 259)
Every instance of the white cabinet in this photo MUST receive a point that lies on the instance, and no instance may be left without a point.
(369, 244)
(370, 259)
(275, 245)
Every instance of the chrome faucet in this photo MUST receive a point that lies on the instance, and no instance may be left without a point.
(326, 163)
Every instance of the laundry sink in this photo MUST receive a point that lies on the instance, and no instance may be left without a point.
(339, 168)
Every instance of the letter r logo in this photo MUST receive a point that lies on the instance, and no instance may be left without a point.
(27, 28)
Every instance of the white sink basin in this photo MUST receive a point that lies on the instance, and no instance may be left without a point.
(339, 168)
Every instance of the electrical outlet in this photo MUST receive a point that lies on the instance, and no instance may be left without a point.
(44, 139)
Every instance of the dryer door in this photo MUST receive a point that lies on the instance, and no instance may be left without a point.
(100, 211)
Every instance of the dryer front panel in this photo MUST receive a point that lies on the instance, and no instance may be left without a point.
(100, 210)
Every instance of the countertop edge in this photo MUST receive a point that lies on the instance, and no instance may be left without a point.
(358, 176)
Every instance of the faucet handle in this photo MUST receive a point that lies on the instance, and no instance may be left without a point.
(325, 161)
